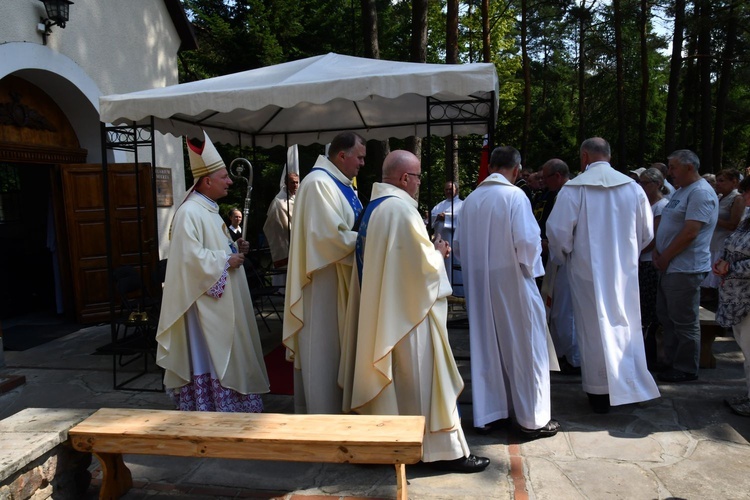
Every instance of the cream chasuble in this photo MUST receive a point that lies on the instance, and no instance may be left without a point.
(197, 258)
(317, 287)
(403, 362)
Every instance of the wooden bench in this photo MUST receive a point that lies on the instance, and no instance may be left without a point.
(358, 439)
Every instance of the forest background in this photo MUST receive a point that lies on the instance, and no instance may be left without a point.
(650, 76)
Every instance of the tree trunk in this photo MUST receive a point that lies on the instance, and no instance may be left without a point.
(675, 67)
(581, 73)
(451, 57)
(723, 92)
(451, 33)
(419, 55)
(704, 71)
(419, 31)
(486, 50)
(526, 80)
(687, 133)
(645, 77)
(378, 150)
(370, 29)
(622, 159)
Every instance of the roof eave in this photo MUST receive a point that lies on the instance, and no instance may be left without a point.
(182, 24)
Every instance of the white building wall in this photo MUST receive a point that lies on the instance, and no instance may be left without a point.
(123, 45)
(107, 47)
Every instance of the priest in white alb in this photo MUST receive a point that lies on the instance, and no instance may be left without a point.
(600, 223)
(208, 341)
(499, 244)
(277, 227)
(403, 362)
(321, 255)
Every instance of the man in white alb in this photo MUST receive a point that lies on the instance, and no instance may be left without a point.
(498, 241)
(600, 224)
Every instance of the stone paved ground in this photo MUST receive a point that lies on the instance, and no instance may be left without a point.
(686, 444)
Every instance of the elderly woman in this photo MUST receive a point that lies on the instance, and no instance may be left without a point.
(734, 295)
(731, 208)
(652, 182)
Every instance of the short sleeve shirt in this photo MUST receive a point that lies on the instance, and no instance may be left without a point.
(697, 202)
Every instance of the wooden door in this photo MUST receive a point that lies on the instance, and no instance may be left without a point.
(132, 234)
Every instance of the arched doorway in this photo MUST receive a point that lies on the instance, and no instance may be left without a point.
(35, 138)
(53, 214)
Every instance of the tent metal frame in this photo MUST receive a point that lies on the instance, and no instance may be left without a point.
(131, 138)
(454, 113)
(128, 138)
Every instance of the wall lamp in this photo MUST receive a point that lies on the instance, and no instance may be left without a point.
(58, 12)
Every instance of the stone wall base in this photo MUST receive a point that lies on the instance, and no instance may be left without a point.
(61, 473)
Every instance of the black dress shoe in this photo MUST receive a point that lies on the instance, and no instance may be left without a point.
(676, 376)
(469, 464)
(599, 402)
(549, 430)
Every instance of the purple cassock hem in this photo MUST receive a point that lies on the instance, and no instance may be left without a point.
(207, 394)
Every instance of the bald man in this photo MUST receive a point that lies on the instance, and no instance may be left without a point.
(404, 364)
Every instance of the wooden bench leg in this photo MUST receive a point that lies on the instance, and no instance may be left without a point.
(401, 482)
(116, 478)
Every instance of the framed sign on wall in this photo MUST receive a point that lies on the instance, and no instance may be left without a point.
(164, 187)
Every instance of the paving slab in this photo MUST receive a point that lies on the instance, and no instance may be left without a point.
(685, 444)
(711, 470)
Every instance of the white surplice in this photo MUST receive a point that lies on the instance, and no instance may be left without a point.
(498, 242)
(598, 227)
(404, 364)
(320, 262)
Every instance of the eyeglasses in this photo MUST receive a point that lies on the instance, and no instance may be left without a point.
(415, 175)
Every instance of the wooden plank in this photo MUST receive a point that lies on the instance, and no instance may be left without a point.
(247, 450)
(255, 426)
(401, 482)
(116, 478)
(258, 427)
(323, 438)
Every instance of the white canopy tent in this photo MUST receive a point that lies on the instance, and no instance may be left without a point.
(300, 102)
(311, 100)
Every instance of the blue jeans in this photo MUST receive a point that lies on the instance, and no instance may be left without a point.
(677, 307)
